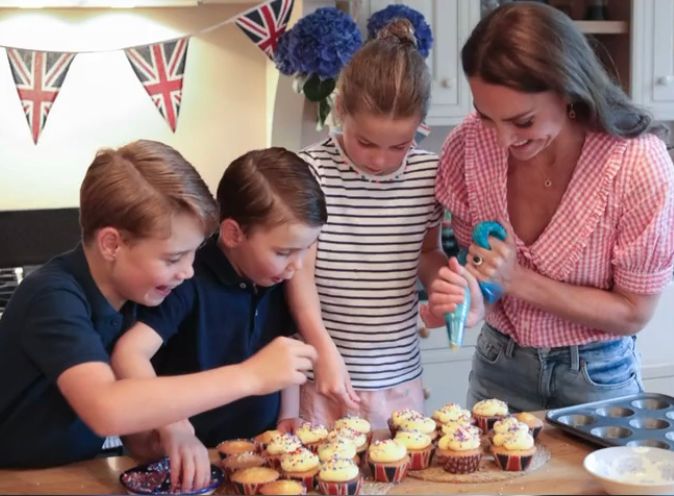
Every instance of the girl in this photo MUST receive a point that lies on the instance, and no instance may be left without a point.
(558, 153)
(233, 311)
(357, 301)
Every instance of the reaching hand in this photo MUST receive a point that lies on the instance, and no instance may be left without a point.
(190, 464)
(288, 424)
(278, 365)
(332, 378)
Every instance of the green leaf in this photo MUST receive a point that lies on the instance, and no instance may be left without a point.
(316, 90)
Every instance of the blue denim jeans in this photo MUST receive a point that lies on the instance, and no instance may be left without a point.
(543, 378)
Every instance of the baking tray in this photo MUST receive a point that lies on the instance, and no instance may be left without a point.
(642, 419)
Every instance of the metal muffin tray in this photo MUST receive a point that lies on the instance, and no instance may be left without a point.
(643, 419)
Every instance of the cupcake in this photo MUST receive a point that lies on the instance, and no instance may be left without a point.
(311, 435)
(451, 412)
(515, 451)
(358, 439)
(460, 452)
(486, 412)
(263, 439)
(282, 487)
(398, 416)
(248, 480)
(422, 424)
(302, 465)
(388, 461)
(451, 427)
(504, 427)
(358, 424)
(239, 461)
(279, 446)
(339, 476)
(535, 424)
(234, 446)
(419, 448)
(338, 448)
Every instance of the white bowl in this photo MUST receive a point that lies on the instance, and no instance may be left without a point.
(633, 470)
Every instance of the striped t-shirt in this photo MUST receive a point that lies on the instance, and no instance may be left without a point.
(367, 260)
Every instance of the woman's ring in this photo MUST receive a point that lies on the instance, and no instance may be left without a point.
(477, 260)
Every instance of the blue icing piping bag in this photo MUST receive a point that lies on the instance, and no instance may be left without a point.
(456, 321)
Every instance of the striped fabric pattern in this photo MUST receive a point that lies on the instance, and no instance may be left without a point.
(612, 228)
(367, 260)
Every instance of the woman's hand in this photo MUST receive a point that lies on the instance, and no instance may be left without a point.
(498, 264)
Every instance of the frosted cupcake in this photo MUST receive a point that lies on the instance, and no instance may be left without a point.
(486, 412)
(279, 446)
(248, 480)
(419, 448)
(311, 435)
(358, 439)
(338, 448)
(535, 424)
(505, 427)
(515, 451)
(422, 424)
(358, 424)
(302, 465)
(451, 412)
(388, 461)
(451, 427)
(240, 461)
(460, 452)
(234, 446)
(339, 476)
(398, 416)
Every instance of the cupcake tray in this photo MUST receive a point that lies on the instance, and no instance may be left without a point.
(642, 419)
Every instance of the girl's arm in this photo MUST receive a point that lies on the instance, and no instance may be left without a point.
(288, 418)
(332, 378)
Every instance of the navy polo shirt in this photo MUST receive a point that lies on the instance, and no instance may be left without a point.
(56, 319)
(218, 318)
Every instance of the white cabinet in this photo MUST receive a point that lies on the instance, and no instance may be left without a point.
(451, 22)
(653, 61)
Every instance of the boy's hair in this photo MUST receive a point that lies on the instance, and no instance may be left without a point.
(138, 188)
(532, 47)
(270, 187)
(388, 76)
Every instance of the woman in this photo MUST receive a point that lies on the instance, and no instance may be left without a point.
(558, 154)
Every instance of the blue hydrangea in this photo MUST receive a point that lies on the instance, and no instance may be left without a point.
(321, 43)
(422, 30)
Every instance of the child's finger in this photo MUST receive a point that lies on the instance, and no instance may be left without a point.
(176, 468)
(203, 469)
(188, 472)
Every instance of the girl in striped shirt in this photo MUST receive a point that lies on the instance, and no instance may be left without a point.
(357, 303)
(558, 154)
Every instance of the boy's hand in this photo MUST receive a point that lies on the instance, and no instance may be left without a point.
(278, 365)
(447, 291)
(332, 379)
(288, 425)
(190, 464)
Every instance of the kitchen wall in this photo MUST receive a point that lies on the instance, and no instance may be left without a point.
(228, 93)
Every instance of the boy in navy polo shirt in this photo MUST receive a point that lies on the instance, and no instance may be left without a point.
(271, 212)
(144, 210)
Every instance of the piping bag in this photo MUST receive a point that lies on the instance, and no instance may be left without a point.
(456, 321)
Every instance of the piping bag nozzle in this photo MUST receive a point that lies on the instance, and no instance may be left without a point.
(456, 321)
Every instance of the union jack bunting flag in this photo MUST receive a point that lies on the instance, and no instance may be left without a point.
(265, 23)
(160, 68)
(38, 77)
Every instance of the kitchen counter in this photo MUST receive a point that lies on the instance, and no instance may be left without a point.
(562, 474)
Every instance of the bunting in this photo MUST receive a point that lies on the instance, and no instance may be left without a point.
(38, 77)
(265, 23)
(160, 68)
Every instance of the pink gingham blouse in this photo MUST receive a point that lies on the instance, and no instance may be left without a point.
(613, 226)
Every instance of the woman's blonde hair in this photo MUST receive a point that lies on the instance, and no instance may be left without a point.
(387, 76)
(138, 188)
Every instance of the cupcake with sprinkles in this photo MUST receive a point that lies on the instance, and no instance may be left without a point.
(504, 427)
(339, 476)
(486, 412)
(419, 448)
(338, 448)
(388, 461)
(515, 451)
(279, 446)
(311, 435)
(399, 416)
(358, 424)
(451, 412)
(358, 439)
(535, 424)
(460, 452)
(422, 424)
(451, 427)
(302, 465)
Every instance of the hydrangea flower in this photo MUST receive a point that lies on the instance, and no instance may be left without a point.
(422, 31)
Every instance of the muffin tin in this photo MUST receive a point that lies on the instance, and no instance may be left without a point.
(643, 419)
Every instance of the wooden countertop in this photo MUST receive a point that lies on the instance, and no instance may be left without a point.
(562, 474)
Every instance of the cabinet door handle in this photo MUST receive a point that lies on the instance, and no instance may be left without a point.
(427, 392)
(667, 80)
(424, 332)
(447, 83)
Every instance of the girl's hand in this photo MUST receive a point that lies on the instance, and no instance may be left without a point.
(498, 264)
(288, 425)
(332, 378)
(190, 463)
(447, 291)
